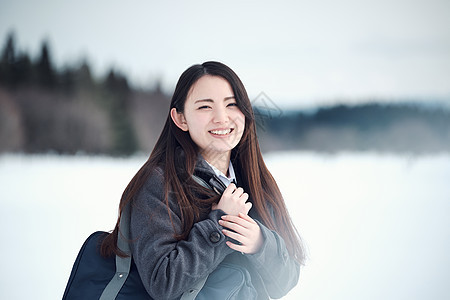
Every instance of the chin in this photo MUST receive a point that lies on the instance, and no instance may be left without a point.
(216, 152)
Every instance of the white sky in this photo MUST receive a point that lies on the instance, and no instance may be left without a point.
(297, 52)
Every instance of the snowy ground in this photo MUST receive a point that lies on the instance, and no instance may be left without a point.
(377, 227)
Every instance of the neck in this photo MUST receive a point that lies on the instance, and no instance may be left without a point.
(220, 160)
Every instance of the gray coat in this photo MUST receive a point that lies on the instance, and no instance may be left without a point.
(169, 267)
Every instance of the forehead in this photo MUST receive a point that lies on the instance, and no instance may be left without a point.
(210, 87)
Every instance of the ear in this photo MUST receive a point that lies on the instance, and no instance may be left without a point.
(178, 119)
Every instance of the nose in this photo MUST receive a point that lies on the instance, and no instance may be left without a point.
(220, 115)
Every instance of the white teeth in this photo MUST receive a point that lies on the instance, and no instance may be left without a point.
(221, 132)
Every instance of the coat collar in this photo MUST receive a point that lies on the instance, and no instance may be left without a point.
(202, 170)
(206, 172)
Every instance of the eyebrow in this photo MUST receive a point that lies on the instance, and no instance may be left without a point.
(211, 100)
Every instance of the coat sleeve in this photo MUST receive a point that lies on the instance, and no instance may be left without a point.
(278, 270)
(167, 266)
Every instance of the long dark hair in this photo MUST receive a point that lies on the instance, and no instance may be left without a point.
(247, 160)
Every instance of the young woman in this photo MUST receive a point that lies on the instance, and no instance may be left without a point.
(181, 231)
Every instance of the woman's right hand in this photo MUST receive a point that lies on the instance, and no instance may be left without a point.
(233, 201)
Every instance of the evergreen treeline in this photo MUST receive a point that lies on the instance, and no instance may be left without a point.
(43, 108)
(405, 128)
(66, 110)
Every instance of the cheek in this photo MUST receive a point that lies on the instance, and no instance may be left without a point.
(197, 126)
(194, 120)
(240, 121)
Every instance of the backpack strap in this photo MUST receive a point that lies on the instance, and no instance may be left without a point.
(191, 293)
(123, 264)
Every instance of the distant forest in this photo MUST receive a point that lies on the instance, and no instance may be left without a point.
(45, 108)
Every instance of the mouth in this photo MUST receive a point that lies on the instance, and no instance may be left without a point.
(221, 132)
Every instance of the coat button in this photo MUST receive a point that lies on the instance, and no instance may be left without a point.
(214, 237)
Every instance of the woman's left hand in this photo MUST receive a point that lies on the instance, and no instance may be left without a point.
(244, 230)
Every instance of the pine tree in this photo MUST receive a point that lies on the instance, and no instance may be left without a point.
(117, 97)
(45, 71)
(7, 76)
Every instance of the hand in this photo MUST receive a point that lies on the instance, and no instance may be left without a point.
(233, 201)
(245, 230)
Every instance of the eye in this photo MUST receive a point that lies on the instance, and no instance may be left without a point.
(204, 107)
(232, 104)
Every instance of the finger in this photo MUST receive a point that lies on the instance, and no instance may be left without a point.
(236, 247)
(238, 192)
(233, 226)
(234, 235)
(239, 226)
(230, 189)
(248, 206)
(243, 197)
(247, 217)
(235, 219)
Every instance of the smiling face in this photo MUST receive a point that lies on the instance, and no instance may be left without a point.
(211, 116)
